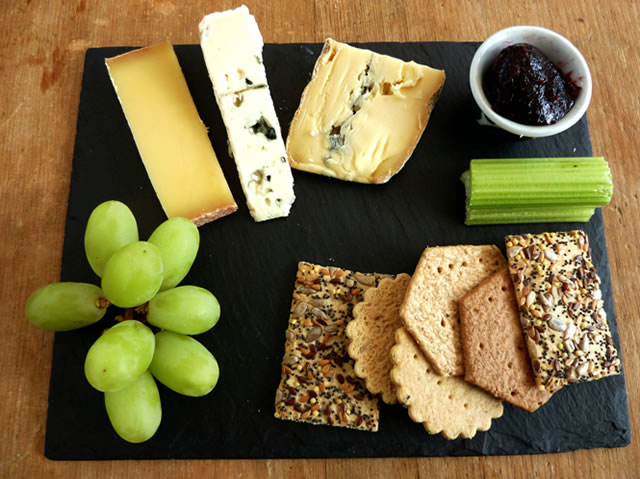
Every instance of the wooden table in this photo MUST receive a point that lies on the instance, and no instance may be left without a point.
(42, 46)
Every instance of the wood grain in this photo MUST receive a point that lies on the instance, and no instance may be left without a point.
(42, 46)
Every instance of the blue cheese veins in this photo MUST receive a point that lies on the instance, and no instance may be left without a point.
(232, 48)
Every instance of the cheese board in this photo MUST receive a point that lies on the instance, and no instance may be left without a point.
(251, 268)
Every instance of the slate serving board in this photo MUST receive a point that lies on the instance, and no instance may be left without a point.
(251, 269)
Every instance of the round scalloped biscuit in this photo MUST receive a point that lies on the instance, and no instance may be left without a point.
(446, 405)
(371, 334)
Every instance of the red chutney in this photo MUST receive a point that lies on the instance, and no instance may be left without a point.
(524, 86)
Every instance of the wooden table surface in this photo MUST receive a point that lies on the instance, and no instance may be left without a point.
(42, 47)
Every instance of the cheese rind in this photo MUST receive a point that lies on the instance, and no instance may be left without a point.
(169, 134)
(362, 114)
(232, 48)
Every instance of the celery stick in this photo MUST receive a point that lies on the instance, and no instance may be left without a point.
(529, 190)
(552, 214)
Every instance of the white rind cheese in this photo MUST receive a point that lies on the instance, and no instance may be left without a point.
(232, 48)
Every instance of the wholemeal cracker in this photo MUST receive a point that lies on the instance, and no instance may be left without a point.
(318, 384)
(561, 308)
(446, 405)
(371, 334)
(430, 309)
(495, 356)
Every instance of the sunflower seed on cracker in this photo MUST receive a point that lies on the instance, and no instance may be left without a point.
(562, 352)
(322, 387)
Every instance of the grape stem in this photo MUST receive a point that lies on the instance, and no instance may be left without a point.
(102, 302)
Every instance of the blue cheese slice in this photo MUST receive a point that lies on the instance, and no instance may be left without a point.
(257, 144)
(232, 48)
(362, 114)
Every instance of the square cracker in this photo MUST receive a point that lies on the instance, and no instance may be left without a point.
(318, 383)
(495, 356)
(446, 405)
(430, 309)
(561, 308)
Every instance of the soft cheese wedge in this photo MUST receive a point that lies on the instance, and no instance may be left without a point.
(362, 114)
(232, 48)
(172, 140)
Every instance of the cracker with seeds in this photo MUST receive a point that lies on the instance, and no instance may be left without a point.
(430, 309)
(561, 308)
(318, 383)
(371, 335)
(495, 356)
(446, 405)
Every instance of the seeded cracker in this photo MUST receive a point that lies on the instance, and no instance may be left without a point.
(371, 334)
(561, 308)
(430, 309)
(318, 384)
(446, 405)
(495, 356)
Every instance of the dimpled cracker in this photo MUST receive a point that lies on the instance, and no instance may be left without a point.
(371, 335)
(430, 309)
(446, 405)
(318, 384)
(561, 308)
(495, 356)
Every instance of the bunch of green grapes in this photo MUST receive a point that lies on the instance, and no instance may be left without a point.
(126, 358)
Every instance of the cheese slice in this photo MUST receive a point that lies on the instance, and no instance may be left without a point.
(171, 139)
(362, 114)
(232, 48)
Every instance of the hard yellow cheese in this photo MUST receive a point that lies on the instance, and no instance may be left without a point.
(362, 114)
(171, 138)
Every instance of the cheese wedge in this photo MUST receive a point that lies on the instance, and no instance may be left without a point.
(170, 136)
(362, 114)
(232, 48)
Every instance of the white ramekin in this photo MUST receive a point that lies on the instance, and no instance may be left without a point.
(558, 49)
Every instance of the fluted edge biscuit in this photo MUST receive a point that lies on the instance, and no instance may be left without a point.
(446, 405)
(371, 335)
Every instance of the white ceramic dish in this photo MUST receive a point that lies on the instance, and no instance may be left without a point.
(558, 49)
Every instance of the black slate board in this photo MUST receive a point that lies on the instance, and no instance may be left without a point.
(251, 268)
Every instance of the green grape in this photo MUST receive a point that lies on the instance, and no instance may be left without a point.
(119, 356)
(110, 227)
(185, 310)
(178, 240)
(135, 410)
(183, 364)
(65, 306)
(133, 275)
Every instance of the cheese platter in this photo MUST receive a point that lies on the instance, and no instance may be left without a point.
(251, 268)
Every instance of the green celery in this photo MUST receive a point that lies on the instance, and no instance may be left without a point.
(531, 190)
